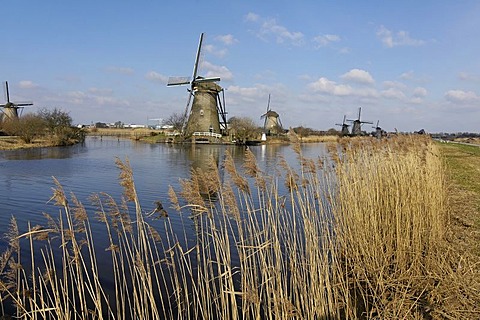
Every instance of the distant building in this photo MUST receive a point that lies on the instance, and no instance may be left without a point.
(100, 125)
(134, 126)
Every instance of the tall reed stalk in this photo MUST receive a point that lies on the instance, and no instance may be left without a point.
(359, 234)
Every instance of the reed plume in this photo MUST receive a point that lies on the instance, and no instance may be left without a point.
(360, 233)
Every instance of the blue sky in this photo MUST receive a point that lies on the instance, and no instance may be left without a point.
(408, 64)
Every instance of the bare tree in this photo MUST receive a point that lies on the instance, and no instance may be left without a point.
(243, 128)
(26, 128)
(176, 120)
(56, 119)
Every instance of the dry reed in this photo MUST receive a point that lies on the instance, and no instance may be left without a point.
(360, 235)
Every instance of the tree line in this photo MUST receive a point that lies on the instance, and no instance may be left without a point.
(55, 126)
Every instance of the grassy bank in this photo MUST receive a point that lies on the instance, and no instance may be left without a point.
(463, 168)
(365, 233)
(15, 143)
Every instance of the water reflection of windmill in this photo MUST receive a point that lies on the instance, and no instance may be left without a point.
(272, 124)
(357, 124)
(344, 126)
(10, 109)
(207, 106)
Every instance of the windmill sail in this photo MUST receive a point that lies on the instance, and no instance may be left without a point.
(178, 81)
(357, 124)
(9, 110)
(206, 107)
(272, 124)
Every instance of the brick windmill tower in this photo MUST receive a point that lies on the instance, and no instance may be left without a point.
(206, 113)
(9, 109)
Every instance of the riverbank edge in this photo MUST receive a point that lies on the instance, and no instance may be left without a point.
(8, 143)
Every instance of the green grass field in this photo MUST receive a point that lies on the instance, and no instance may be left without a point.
(463, 162)
(463, 169)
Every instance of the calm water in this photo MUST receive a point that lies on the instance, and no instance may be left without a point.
(27, 180)
(26, 175)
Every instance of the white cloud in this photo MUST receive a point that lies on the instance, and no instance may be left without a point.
(323, 85)
(325, 40)
(393, 93)
(460, 96)
(329, 87)
(76, 94)
(227, 39)
(420, 92)
(76, 97)
(412, 76)
(157, 77)
(401, 38)
(237, 95)
(214, 50)
(111, 101)
(216, 71)
(282, 33)
(252, 101)
(465, 76)
(248, 92)
(409, 75)
(94, 97)
(27, 84)
(98, 91)
(266, 75)
(253, 17)
(270, 28)
(358, 76)
(394, 84)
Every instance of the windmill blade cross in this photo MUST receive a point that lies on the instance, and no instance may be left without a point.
(23, 104)
(7, 94)
(190, 94)
(197, 58)
(177, 81)
(210, 79)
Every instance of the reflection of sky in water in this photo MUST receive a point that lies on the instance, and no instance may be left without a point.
(26, 184)
(90, 168)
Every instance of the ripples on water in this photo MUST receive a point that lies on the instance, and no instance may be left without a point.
(26, 184)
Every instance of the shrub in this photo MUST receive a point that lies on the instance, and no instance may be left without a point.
(244, 128)
(55, 120)
(26, 128)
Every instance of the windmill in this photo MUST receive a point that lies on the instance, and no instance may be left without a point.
(272, 124)
(207, 107)
(9, 108)
(357, 124)
(378, 131)
(344, 126)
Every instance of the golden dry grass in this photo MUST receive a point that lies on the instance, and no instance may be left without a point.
(136, 133)
(14, 143)
(314, 138)
(362, 234)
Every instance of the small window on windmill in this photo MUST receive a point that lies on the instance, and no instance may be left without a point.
(201, 112)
